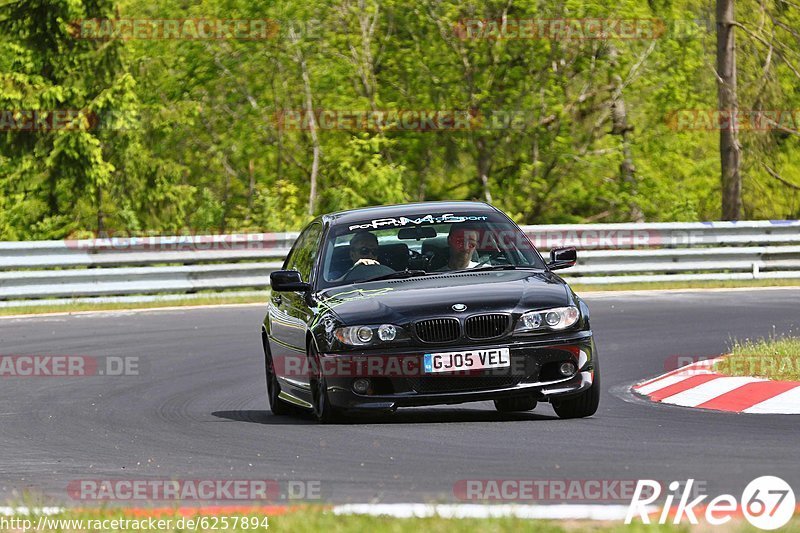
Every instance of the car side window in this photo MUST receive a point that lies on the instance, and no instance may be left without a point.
(304, 252)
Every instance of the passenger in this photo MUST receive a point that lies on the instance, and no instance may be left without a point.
(462, 241)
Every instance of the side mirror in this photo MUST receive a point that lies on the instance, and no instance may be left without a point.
(562, 258)
(287, 280)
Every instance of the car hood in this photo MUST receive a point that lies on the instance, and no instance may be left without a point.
(406, 300)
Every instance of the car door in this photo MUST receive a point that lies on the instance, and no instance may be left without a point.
(290, 314)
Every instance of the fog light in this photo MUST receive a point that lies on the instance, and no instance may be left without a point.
(567, 369)
(361, 385)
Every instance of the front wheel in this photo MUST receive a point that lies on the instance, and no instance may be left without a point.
(324, 412)
(276, 404)
(581, 405)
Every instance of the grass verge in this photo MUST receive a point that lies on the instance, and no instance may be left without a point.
(109, 306)
(315, 519)
(732, 284)
(331, 523)
(775, 358)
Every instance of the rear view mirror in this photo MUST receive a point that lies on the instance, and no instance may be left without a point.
(416, 233)
(562, 258)
(287, 280)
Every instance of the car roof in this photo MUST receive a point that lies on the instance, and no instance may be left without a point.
(406, 210)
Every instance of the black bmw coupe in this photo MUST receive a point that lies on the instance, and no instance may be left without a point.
(424, 304)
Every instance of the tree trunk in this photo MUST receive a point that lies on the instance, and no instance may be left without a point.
(101, 226)
(620, 127)
(312, 123)
(251, 190)
(729, 148)
(484, 164)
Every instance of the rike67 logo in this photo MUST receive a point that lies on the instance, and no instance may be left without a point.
(768, 502)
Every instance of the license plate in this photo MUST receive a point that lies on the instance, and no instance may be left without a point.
(467, 360)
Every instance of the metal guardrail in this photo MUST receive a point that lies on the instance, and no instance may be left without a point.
(674, 251)
(609, 253)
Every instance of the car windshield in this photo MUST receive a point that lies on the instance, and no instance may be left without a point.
(423, 245)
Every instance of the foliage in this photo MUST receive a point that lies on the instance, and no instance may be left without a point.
(190, 138)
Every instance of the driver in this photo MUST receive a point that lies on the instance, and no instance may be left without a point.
(462, 241)
(364, 249)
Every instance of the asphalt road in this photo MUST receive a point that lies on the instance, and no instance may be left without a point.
(197, 411)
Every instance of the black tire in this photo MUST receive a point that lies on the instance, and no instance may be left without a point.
(583, 404)
(515, 405)
(324, 412)
(276, 405)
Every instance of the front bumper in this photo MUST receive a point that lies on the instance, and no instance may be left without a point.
(533, 372)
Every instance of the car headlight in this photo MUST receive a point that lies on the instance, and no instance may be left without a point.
(365, 335)
(387, 332)
(554, 319)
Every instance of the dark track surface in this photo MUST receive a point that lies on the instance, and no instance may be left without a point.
(198, 410)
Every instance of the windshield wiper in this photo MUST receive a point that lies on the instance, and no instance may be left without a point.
(397, 275)
(492, 267)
